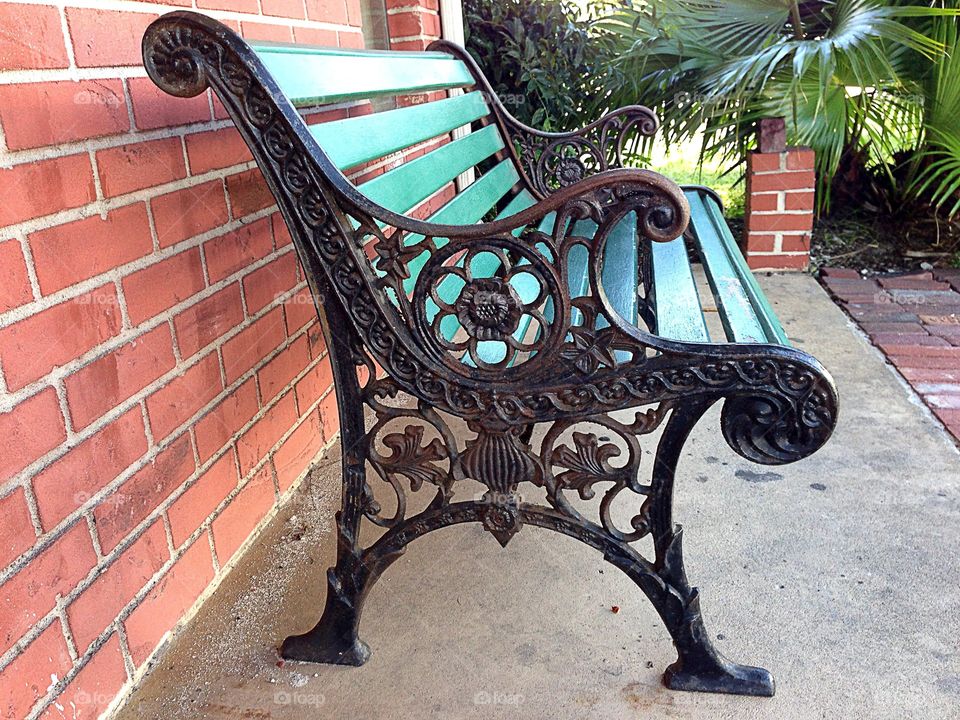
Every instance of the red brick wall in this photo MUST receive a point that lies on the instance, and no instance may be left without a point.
(163, 382)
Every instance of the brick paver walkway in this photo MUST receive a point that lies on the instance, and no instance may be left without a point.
(915, 320)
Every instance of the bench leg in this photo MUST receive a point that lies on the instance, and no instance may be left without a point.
(699, 666)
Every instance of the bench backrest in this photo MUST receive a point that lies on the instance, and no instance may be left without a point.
(311, 76)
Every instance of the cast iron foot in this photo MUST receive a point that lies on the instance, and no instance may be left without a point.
(722, 676)
(312, 647)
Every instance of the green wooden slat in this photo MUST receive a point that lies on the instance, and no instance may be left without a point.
(678, 311)
(352, 141)
(466, 208)
(739, 319)
(403, 187)
(316, 75)
(767, 317)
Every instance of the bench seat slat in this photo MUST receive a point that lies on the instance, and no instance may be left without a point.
(316, 75)
(356, 140)
(678, 311)
(739, 318)
(407, 185)
(765, 314)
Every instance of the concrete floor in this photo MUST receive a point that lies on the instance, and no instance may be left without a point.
(839, 573)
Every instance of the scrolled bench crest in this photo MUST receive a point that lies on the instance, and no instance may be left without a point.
(496, 351)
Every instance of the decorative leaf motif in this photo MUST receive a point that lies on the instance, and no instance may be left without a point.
(587, 464)
(409, 457)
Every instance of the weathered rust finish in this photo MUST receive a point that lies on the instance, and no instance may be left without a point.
(779, 404)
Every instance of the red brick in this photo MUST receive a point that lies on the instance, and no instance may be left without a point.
(89, 693)
(778, 262)
(763, 202)
(329, 415)
(234, 525)
(28, 676)
(800, 201)
(188, 212)
(14, 283)
(263, 31)
(780, 223)
(31, 593)
(280, 232)
(280, 372)
(905, 283)
(929, 362)
(266, 284)
(162, 285)
(783, 181)
(243, 6)
(299, 310)
(30, 430)
(73, 479)
(253, 344)
(248, 193)
(411, 24)
(312, 385)
(38, 40)
(172, 405)
(199, 325)
(226, 419)
(951, 333)
(795, 243)
(283, 8)
(67, 254)
(237, 249)
(38, 114)
(153, 108)
(318, 345)
(919, 375)
(119, 513)
(190, 510)
(100, 603)
(140, 165)
(104, 38)
(169, 600)
(949, 417)
(761, 242)
(355, 14)
(331, 11)
(758, 162)
(216, 149)
(16, 530)
(67, 182)
(106, 382)
(256, 442)
(34, 346)
(315, 36)
(885, 339)
(293, 457)
(801, 159)
(874, 328)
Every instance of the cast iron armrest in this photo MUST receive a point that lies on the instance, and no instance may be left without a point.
(551, 161)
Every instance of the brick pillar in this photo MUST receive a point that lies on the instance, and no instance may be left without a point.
(779, 203)
(413, 24)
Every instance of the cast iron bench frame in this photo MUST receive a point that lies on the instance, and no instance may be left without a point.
(586, 361)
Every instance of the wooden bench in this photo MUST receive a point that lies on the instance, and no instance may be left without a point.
(501, 333)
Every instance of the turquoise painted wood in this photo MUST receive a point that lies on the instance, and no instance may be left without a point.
(357, 140)
(676, 300)
(737, 313)
(765, 314)
(316, 75)
(409, 184)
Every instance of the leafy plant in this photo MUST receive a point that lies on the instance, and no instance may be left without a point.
(846, 74)
(542, 58)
